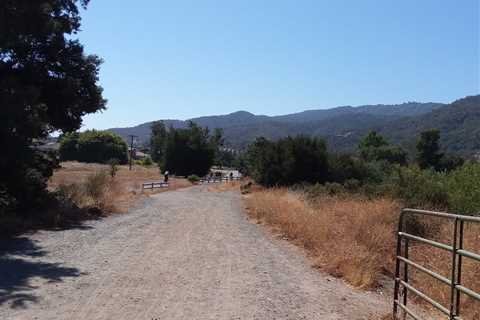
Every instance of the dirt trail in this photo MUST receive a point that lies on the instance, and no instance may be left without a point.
(188, 254)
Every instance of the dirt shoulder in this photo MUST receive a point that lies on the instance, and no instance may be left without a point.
(187, 254)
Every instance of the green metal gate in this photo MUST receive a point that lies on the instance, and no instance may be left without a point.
(402, 285)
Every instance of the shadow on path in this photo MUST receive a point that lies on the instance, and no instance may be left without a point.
(20, 261)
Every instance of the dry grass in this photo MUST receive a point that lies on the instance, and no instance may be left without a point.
(354, 238)
(122, 192)
(339, 233)
(224, 186)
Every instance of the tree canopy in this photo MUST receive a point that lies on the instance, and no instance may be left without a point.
(47, 84)
(93, 146)
(428, 149)
(288, 161)
(186, 151)
(375, 147)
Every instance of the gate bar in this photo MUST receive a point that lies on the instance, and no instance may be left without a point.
(408, 311)
(427, 241)
(458, 252)
(425, 270)
(425, 297)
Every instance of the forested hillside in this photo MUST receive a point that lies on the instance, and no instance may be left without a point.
(343, 127)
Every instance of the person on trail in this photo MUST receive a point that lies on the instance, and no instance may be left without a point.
(165, 177)
(231, 175)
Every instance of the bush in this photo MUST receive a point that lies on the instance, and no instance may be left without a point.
(374, 147)
(193, 178)
(95, 187)
(464, 189)
(147, 161)
(288, 161)
(93, 146)
(346, 167)
(113, 167)
(420, 188)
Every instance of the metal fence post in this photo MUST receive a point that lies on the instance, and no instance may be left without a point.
(453, 290)
(459, 268)
(405, 277)
(397, 265)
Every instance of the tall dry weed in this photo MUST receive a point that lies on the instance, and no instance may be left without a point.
(355, 239)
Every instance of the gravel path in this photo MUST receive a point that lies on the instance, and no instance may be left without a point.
(188, 254)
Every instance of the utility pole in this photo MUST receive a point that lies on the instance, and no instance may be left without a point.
(131, 151)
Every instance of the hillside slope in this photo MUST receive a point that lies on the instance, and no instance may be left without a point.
(459, 125)
(343, 127)
(242, 127)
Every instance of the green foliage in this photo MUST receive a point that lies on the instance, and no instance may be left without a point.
(372, 140)
(464, 189)
(147, 161)
(449, 185)
(93, 146)
(47, 83)
(428, 150)
(158, 141)
(190, 151)
(450, 162)
(420, 188)
(344, 167)
(374, 147)
(288, 161)
(226, 158)
(193, 178)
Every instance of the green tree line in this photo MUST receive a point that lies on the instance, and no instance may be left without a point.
(431, 180)
(186, 151)
(93, 146)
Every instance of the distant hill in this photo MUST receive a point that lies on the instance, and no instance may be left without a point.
(343, 127)
(459, 125)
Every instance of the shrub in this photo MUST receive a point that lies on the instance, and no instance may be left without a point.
(420, 188)
(345, 167)
(113, 167)
(95, 187)
(352, 185)
(193, 178)
(93, 146)
(288, 161)
(71, 193)
(374, 147)
(464, 189)
(147, 161)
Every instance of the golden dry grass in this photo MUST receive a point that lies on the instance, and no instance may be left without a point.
(354, 238)
(123, 191)
(224, 186)
(339, 233)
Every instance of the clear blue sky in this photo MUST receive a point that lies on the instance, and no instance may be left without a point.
(182, 59)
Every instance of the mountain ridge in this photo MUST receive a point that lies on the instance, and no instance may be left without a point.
(342, 127)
